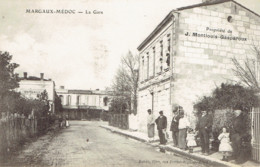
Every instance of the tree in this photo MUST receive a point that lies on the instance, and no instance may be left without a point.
(57, 103)
(8, 80)
(248, 71)
(43, 97)
(126, 80)
(228, 96)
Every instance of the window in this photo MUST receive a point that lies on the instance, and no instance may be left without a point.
(94, 100)
(78, 100)
(161, 56)
(87, 100)
(105, 100)
(142, 73)
(61, 99)
(153, 61)
(168, 50)
(147, 65)
(68, 100)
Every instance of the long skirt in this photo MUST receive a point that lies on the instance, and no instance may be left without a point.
(150, 129)
(182, 138)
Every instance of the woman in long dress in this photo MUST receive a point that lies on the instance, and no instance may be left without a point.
(150, 124)
(183, 125)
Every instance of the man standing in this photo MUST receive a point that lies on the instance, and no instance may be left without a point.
(161, 123)
(204, 126)
(238, 130)
(174, 126)
(150, 124)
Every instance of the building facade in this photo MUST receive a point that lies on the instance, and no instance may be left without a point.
(190, 53)
(84, 104)
(32, 87)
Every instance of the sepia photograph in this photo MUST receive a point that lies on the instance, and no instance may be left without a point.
(121, 83)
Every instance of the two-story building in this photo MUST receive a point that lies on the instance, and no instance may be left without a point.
(190, 52)
(31, 87)
(84, 104)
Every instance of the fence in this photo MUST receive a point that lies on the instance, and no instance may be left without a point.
(104, 116)
(15, 131)
(119, 120)
(255, 125)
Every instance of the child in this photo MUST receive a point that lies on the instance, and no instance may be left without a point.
(191, 143)
(224, 146)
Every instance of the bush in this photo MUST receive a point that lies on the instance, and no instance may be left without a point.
(228, 96)
(119, 105)
(222, 118)
(223, 101)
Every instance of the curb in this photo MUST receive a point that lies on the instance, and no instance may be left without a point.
(195, 156)
(124, 134)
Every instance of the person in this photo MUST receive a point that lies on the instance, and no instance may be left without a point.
(204, 126)
(150, 124)
(191, 143)
(161, 123)
(174, 126)
(183, 125)
(238, 129)
(60, 121)
(67, 121)
(225, 146)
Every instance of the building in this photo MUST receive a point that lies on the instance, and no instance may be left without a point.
(84, 104)
(32, 87)
(190, 52)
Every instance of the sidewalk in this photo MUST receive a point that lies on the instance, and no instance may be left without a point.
(214, 158)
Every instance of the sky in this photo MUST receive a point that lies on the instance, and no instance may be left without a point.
(81, 51)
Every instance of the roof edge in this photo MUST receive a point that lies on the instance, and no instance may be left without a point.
(155, 31)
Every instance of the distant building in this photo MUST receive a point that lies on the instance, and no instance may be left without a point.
(190, 52)
(84, 104)
(32, 87)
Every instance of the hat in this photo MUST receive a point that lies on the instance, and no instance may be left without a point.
(181, 112)
(161, 112)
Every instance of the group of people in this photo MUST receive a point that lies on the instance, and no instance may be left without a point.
(184, 137)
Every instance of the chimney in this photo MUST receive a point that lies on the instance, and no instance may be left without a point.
(25, 75)
(62, 87)
(42, 75)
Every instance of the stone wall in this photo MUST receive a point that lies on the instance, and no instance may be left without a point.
(155, 78)
(203, 59)
(161, 93)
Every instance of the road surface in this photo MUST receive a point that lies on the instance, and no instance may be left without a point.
(69, 147)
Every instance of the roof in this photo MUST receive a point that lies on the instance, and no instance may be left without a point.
(208, 3)
(33, 78)
(78, 91)
(170, 15)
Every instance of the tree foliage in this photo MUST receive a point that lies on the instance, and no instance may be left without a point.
(119, 105)
(126, 81)
(8, 80)
(228, 96)
(57, 103)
